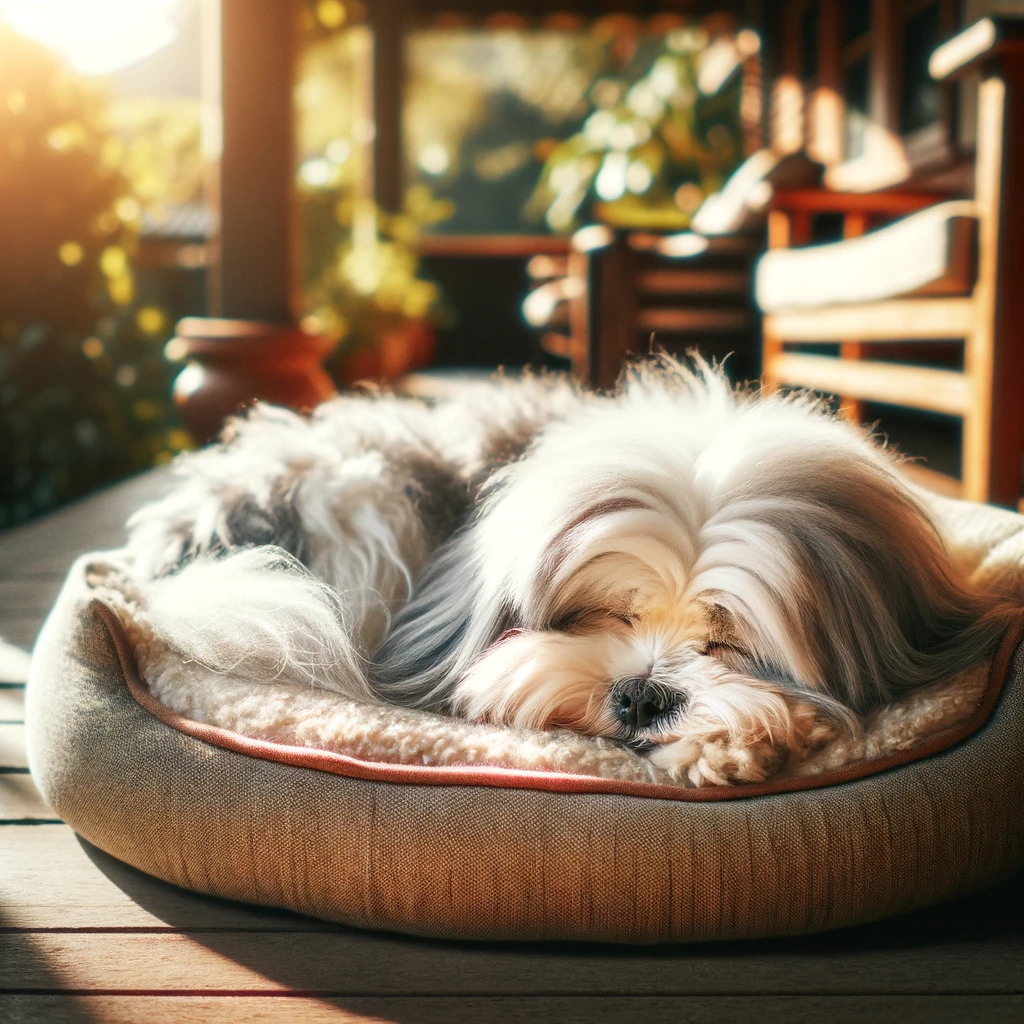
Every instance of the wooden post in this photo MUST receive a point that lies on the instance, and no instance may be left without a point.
(611, 291)
(388, 20)
(994, 357)
(855, 224)
(785, 228)
(249, 68)
(248, 348)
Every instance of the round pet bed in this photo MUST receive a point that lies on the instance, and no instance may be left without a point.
(484, 851)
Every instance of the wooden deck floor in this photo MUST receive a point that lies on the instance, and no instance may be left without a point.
(85, 938)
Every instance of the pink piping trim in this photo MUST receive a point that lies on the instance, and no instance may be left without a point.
(554, 782)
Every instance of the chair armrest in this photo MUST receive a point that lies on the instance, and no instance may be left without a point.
(982, 41)
(821, 200)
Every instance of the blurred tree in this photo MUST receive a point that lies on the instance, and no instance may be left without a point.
(362, 281)
(656, 145)
(83, 383)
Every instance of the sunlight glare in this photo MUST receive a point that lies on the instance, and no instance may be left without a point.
(97, 37)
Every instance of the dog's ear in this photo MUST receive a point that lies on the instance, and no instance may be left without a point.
(874, 604)
(446, 625)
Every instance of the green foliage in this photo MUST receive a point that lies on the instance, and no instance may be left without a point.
(83, 383)
(653, 148)
(361, 270)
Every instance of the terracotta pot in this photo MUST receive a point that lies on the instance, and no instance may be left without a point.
(231, 363)
(395, 352)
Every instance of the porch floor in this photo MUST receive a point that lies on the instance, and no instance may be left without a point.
(86, 938)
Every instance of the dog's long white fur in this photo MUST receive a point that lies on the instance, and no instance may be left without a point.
(518, 554)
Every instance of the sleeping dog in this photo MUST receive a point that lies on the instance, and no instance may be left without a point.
(719, 578)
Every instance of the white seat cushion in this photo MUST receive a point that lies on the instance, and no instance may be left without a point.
(931, 252)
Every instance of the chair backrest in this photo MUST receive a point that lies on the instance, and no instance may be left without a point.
(648, 293)
(625, 294)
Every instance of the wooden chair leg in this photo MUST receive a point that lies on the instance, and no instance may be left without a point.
(851, 408)
(994, 442)
(855, 224)
(771, 346)
(1007, 446)
(974, 458)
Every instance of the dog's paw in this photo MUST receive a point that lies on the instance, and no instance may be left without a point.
(719, 760)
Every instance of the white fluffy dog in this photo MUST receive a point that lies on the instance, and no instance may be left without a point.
(717, 578)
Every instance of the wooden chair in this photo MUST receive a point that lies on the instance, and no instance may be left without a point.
(616, 292)
(976, 298)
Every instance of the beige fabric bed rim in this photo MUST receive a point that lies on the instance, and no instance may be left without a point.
(480, 861)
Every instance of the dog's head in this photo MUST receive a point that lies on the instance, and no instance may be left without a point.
(681, 554)
(679, 559)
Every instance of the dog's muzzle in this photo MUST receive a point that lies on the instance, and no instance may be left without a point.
(639, 702)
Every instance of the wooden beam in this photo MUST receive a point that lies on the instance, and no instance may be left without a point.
(981, 41)
(822, 200)
(692, 282)
(897, 319)
(692, 319)
(932, 480)
(12, 747)
(12, 703)
(517, 246)
(286, 1008)
(994, 432)
(917, 387)
(248, 80)
(388, 19)
(21, 802)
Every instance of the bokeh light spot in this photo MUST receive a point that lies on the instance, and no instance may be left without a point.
(92, 347)
(331, 13)
(150, 320)
(71, 254)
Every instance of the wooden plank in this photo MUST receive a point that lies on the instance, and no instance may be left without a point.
(932, 480)
(14, 666)
(794, 1009)
(251, 274)
(35, 558)
(27, 598)
(12, 703)
(12, 746)
(895, 320)
(917, 387)
(22, 629)
(388, 19)
(957, 54)
(692, 320)
(823, 200)
(544, 268)
(45, 548)
(509, 246)
(692, 282)
(994, 434)
(52, 879)
(367, 963)
(20, 801)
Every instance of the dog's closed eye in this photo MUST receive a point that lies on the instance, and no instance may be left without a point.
(718, 648)
(583, 620)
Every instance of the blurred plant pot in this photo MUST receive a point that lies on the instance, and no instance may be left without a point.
(231, 363)
(394, 352)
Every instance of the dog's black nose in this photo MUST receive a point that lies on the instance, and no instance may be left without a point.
(638, 702)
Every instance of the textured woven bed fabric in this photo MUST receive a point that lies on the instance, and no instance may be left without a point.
(491, 862)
